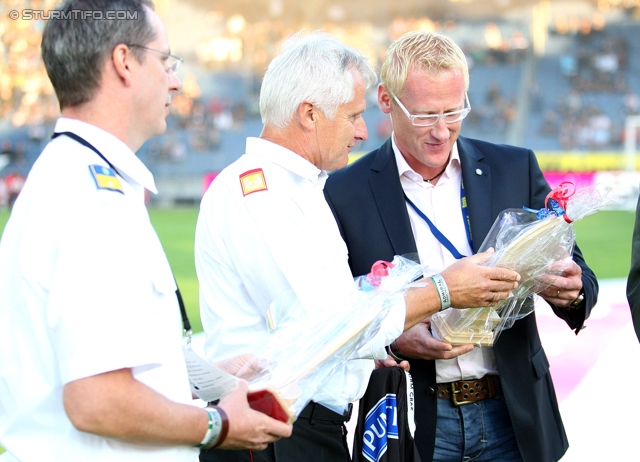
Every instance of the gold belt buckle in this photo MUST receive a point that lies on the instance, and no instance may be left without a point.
(454, 396)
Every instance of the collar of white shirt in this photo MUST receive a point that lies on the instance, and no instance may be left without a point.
(406, 170)
(113, 149)
(286, 159)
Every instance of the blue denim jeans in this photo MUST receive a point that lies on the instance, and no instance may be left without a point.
(478, 432)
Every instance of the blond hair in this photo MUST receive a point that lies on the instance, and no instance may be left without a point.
(426, 50)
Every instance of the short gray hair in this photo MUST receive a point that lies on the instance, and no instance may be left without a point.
(315, 68)
(74, 48)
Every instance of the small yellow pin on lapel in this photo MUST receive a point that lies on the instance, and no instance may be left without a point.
(105, 178)
(253, 181)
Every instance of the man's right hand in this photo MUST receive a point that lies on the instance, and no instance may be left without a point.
(418, 342)
(249, 429)
(472, 285)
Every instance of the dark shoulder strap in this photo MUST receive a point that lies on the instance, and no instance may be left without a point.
(85, 143)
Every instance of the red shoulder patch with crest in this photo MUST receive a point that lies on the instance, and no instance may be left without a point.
(253, 181)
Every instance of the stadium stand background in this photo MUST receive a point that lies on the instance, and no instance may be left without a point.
(557, 77)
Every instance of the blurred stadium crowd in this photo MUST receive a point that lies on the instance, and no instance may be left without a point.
(573, 97)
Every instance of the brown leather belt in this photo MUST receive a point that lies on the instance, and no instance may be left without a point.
(470, 391)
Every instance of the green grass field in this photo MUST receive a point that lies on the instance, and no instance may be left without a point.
(605, 240)
(176, 229)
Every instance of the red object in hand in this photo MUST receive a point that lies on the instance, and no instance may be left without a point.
(266, 402)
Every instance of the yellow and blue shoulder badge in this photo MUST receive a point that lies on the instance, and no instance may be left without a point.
(105, 178)
(253, 181)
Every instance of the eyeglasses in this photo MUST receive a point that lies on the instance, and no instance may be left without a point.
(427, 120)
(173, 62)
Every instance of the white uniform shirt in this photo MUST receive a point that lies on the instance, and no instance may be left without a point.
(441, 204)
(280, 236)
(85, 288)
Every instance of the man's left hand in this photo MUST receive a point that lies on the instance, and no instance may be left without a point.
(564, 288)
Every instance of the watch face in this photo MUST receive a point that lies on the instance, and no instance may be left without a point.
(578, 300)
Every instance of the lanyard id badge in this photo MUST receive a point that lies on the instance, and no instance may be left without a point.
(207, 382)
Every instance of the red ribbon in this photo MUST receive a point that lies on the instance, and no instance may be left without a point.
(561, 195)
(379, 270)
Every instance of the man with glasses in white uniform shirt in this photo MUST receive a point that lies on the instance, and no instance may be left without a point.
(91, 364)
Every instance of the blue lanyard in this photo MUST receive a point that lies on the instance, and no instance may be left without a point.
(436, 232)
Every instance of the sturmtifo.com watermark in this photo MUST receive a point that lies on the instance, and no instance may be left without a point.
(72, 14)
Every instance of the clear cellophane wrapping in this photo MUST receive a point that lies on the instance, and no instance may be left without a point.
(532, 243)
(307, 347)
